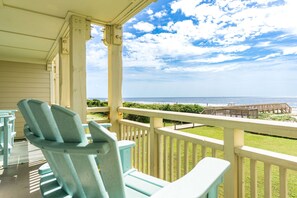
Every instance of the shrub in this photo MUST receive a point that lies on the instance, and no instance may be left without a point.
(187, 108)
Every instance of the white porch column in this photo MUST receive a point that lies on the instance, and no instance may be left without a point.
(79, 32)
(64, 72)
(113, 39)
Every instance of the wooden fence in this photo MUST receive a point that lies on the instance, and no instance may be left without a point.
(248, 111)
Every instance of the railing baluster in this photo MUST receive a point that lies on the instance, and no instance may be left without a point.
(186, 157)
(267, 180)
(203, 151)
(124, 132)
(178, 161)
(213, 152)
(137, 130)
(166, 158)
(148, 150)
(133, 138)
(283, 180)
(194, 154)
(241, 185)
(253, 174)
(121, 132)
(171, 159)
(143, 150)
(161, 161)
(129, 133)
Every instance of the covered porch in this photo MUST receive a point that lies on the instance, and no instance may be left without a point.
(43, 56)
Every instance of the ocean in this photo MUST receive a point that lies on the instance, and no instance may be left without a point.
(214, 101)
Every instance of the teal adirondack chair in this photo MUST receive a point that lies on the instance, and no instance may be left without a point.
(101, 167)
(7, 134)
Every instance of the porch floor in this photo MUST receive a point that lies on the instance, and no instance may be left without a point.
(21, 178)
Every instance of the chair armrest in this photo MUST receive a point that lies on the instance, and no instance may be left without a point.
(105, 125)
(86, 126)
(125, 154)
(125, 144)
(100, 148)
(202, 181)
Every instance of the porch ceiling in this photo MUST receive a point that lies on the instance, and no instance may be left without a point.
(29, 30)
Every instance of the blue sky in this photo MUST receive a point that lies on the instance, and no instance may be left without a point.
(201, 48)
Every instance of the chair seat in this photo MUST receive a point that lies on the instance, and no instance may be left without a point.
(137, 184)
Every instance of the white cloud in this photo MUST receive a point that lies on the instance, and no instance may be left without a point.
(234, 21)
(250, 67)
(234, 48)
(218, 68)
(149, 11)
(160, 14)
(263, 44)
(131, 20)
(144, 26)
(269, 56)
(157, 15)
(218, 59)
(289, 50)
(225, 23)
(97, 55)
(154, 50)
(95, 30)
(187, 7)
(128, 35)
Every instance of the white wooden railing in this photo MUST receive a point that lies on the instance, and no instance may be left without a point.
(169, 154)
(99, 110)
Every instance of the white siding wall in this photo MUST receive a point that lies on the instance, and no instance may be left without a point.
(22, 80)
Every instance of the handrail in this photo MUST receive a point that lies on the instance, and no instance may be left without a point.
(278, 159)
(98, 109)
(276, 128)
(201, 140)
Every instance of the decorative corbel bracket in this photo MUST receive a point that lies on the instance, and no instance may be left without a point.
(112, 35)
(65, 45)
(81, 24)
(49, 67)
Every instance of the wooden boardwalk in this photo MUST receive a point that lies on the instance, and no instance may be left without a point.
(249, 111)
(185, 126)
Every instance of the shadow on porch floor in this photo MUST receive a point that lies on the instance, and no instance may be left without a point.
(21, 178)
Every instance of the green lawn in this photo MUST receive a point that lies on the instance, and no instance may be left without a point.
(96, 116)
(282, 145)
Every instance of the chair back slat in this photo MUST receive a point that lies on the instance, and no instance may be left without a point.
(63, 170)
(29, 118)
(110, 165)
(70, 127)
(45, 120)
(34, 128)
